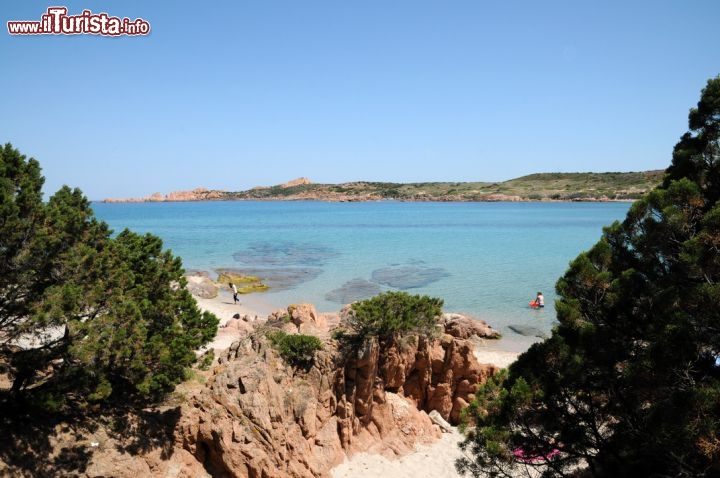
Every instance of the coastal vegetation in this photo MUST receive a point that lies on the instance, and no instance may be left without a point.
(392, 314)
(296, 349)
(86, 317)
(629, 382)
(534, 187)
(609, 186)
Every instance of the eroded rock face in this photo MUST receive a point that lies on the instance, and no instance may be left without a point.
(257, 416)
(255, 419)
(260, 417)
(303, 319)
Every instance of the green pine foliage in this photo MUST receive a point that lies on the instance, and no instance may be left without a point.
(83, 314)
(395, 313)
(628, 383)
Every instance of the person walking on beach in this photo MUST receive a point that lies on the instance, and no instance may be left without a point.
(235, 293)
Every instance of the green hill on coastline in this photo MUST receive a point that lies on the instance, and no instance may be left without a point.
(609, 186)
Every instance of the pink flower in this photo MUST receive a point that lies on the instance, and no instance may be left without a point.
(520, 455)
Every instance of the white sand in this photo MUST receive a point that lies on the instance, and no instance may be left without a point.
(496, 357)
(224, 308)
(427, 461)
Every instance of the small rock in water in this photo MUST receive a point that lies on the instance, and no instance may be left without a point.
(281, 278)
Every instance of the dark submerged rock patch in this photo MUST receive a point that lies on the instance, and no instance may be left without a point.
(355, 289)
(527, 331)
(408, 276)
(285, 253)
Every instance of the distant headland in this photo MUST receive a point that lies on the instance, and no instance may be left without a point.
(610, 186)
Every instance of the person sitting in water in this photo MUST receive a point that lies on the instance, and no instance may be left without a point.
(539, 300)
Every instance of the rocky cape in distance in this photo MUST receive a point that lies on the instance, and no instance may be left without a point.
(610, 186)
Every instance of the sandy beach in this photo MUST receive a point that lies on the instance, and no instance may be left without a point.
(427, 461)
(436, 460)
(224, 308)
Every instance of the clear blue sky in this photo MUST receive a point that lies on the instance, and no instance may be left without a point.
(231, 95)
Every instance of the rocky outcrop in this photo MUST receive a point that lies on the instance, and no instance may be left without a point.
(258, 416)
(197, 194)
(200, 285)
(304, 319)
(243, 325)
(256, 419)
(200, 194)
(261, 417)
(295, 182)
(252, 419)
(464, 327)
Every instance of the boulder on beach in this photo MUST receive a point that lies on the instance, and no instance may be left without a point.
(200, 285)
(464, 327)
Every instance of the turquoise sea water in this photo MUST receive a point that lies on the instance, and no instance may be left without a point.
(485, 259)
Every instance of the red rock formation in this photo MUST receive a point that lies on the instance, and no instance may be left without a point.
(261, 417)
(258, 416)
(197, 194)
(296, 182)
(464, 327)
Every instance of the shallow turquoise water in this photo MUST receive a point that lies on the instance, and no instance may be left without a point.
(485, 259)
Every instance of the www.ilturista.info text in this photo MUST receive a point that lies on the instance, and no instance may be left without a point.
(57, 22)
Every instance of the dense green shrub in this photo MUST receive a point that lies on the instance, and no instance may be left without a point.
(296, 349)
(114, 313)
(395, 313)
